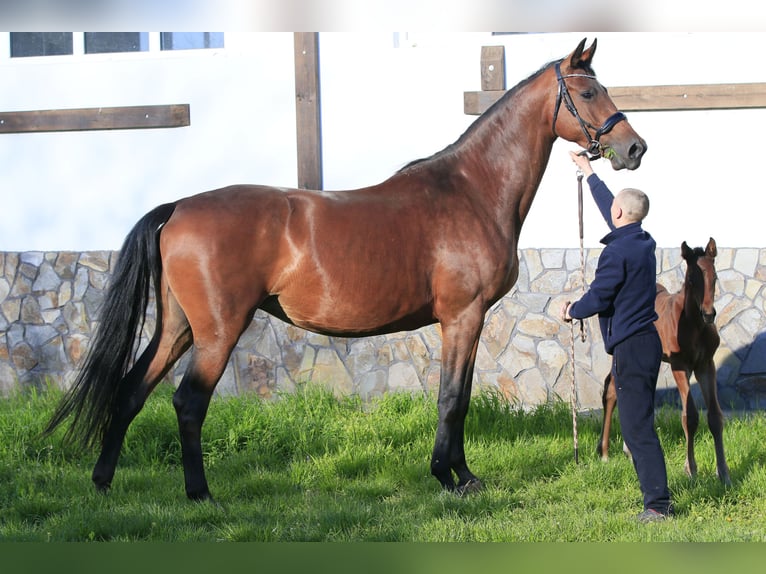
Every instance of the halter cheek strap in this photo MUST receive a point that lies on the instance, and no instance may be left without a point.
(594, 147)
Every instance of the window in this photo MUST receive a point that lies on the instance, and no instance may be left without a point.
(26, 44)
(78, 44)
(107, 42)
(191, 40)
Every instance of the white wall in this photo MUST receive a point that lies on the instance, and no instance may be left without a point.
(702, 171)
(85, 190)
(381, 107)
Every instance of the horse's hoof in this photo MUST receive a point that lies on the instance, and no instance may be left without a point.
(102, 488)
(201, 497)
(472, 486)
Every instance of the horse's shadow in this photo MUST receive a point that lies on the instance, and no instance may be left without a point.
(741, 380)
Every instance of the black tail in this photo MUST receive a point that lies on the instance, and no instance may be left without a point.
(92, 397)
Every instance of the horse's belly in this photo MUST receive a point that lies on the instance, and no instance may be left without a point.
(349, 316)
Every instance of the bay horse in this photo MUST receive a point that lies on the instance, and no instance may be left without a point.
(436, 242)
(686, 324)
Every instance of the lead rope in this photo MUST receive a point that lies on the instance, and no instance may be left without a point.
(582, 322)
(582, 248)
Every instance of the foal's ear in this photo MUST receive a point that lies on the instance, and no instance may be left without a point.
(581, 58)
(686, 251)
(711, 250)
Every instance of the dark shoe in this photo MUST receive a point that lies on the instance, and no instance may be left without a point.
(651, 515)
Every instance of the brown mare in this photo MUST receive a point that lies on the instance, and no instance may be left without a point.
(436, 242)
(686, 324)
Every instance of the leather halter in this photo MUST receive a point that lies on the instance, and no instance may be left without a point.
(594, 147)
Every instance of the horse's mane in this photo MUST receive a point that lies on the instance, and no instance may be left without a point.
(488, 115)
(698, 251)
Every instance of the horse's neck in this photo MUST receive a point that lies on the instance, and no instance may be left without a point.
(691, 310)
(516, 147)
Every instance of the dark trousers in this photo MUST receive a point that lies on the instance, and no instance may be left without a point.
(636, 365)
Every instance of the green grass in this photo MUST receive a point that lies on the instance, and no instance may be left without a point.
(310, 467)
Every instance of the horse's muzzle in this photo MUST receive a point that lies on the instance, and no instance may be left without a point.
(628, 156)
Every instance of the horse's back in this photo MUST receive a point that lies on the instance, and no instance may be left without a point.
(334, 262)
(362, 261)
(668, 307)
(685, 341)
(226, 223)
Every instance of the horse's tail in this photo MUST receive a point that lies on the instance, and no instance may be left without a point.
(92, 398)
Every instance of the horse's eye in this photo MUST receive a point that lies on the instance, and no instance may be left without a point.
(587, 95)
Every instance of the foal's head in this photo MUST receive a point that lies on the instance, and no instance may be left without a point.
(699, 283)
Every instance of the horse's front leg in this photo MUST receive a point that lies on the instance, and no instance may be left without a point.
(706, 378)
(459, 345)
(689, 417)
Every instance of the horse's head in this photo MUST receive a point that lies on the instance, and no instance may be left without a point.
(589, 105)
(699, 283)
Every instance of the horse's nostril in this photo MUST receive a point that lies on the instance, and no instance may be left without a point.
(636, 150)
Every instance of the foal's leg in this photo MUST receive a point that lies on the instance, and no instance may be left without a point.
(609, 401)
(460, 340)
(706, 375)
(689, 417)
(169, 342)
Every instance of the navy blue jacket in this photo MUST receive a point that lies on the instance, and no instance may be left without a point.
(623, 290)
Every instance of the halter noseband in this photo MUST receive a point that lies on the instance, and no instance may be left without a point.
(594, 147)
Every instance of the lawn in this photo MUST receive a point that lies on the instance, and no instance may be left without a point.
(311, 467)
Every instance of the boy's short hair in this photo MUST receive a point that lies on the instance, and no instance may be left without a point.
(635, 203)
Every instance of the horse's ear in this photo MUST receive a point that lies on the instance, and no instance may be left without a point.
(711, 250)
(581, 57)
(686, 251)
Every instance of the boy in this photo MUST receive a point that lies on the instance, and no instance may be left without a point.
(622, 294)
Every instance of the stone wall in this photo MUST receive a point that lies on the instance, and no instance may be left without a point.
(49, 304)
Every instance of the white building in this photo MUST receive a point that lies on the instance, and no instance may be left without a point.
(387, 98)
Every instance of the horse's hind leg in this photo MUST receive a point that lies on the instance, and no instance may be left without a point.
(609, 401)
(169, 342)
(689, 418)
(706, 377)
(191, 401)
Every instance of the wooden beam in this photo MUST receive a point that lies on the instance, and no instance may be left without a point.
(308, 110)
(690, 97)
(83, 119)
(493, 68)
(655, 98)
(476, 103)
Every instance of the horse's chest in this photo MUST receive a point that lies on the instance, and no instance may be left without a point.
(696, 343)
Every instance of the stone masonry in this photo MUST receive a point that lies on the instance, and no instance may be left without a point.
(50, 301)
